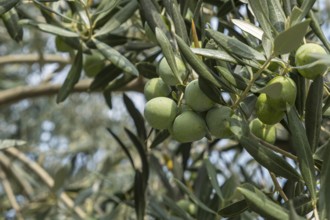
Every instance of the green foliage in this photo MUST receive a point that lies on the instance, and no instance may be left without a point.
(191, 153)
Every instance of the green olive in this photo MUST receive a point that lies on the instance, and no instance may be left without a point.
(160, 112)
(188, 126)
(266, 113)
(156, 87)
(263, 131)
(165, 72)
(303, 57)
(196, 98)
(218, 121)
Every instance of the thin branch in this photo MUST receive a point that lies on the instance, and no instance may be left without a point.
(46, 178)
(24, 92)
(17, 173)
(33, 58)
(10, 194)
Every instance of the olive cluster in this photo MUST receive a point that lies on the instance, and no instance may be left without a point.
(190, 118)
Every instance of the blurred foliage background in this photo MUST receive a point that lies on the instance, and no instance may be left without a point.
(90, 176)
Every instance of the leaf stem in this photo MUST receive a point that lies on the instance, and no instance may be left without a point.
(278, 187)
(254, 78)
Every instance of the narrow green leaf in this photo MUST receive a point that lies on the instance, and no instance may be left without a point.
(139, 195)
(234, 209)
(294, 17)
(160, 137)
(103, 10)
(49, 28)
(271, 90)
(290, 39)
(104, 77)
(120, 82)
(316, 27)
(324, 202)
(302, 204)
(157, 210)
(213, 92)
(313, 112)
(194, 198)
(269, 159)
(143, 156)
(234, 46)
(199, 66)
(116, 58)
(176, 209)
(320, 152)
(168, 52)
(306, 6)
(147, 70)
(123, 146)
(108, 98)
(260, 11)
(213, 178)
(60, 176)
(249, 28)
(214, 54)
(14, 28)
(276, 15)
(304, 152)
(117, 19)
(6, 5)
(261, 204)
(293, 214)
(136, 116)
(234, 79)
(71, 79)
(179, 24)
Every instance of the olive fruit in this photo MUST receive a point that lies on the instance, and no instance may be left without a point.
(196, 98)
(165, 72)
(286, 97)
(160, 112)
(218, 121)
(263, 131)
(266, 113)
(303, 57)
(156, 87)
(188, 206)
(188, 126)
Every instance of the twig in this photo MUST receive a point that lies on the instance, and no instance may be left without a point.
(10, 194)
(24, 92)
(46, 178)
(33, 58)
(17, 173)
(278, 187)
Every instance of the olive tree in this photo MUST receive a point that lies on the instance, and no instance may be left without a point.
(235, 120)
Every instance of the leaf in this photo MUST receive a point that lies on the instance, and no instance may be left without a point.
(324, 202)
(136, 116)
(71, 79)
(213, 92)
(313, 112)
(104, 77)
(302, 204)
(290, 39)
(306, 6)
(199, 66)
(103, 10)
(160, 137)
(213, 178)
(176, 209)
(261, 204)
(193, 197)
(276, 15)
(272, 90)
(6, 5)
(147, 70)
(293, 214)
(294, 16)
(269, 159)
(249, 28)
(179, 23)
(143, 156)
(214, 54)
(303, 149)
(234, 46)
(116, 58)
(117, 19)
(49, 28)
(7, 143)
(168, 53)
(234, 209)
(260, 11)
(119, 82)
(139, 195)
(123, 146)
(234, 79)
(11, 21)
(60, 177)
(108, 98)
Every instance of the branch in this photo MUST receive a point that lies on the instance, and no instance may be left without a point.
(33, 58)
(46, 178)
(24, 92)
